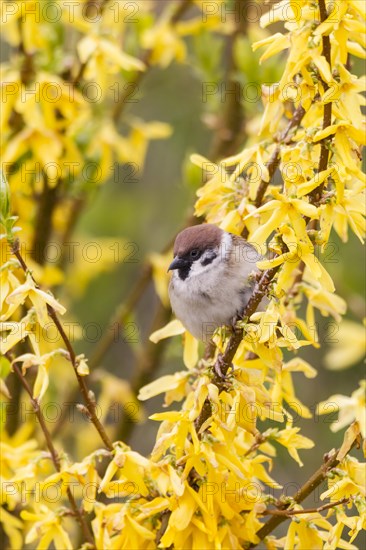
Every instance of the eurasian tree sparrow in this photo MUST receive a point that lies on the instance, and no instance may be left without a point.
(213, 278)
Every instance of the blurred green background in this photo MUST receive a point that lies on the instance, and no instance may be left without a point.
(149, 206)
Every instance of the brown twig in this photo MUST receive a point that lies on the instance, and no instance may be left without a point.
(79, 514)
(316, 194)
(259, 440)
(311, 484)
(87, 396)
(289, 513)
(272, 166)
(224, 361)
(275, 158)
(88, 399)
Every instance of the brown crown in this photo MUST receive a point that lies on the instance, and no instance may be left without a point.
(202, 237)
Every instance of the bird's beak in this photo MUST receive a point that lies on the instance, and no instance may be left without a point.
(177, 263)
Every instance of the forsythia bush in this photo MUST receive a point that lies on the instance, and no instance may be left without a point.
(207, 482)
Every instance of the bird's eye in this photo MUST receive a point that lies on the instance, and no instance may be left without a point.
(194, 253)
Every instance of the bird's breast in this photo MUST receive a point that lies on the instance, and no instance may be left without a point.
(204, 304)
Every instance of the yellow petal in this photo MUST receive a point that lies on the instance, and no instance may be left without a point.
(161, 385)
(171, 329)
(305, 188)
(190, 354)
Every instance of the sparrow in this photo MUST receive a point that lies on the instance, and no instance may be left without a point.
(214, 273)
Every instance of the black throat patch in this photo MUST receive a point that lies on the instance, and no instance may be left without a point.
(183, 272)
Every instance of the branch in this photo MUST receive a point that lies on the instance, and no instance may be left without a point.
(272, 167)
(289, 513)
(311, 484)
(275, 159)
(316, 194)
(119, 318)
(224, 361)
(54, 454)
(87, 395)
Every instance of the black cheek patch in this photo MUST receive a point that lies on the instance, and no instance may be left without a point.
(183, 272)
(209, 259)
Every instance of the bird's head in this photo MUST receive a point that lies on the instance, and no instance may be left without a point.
(197, 249)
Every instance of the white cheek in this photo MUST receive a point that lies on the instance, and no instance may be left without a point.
(198, 269)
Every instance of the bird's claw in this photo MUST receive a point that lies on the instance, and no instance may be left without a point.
(234, 327)
(219, 364)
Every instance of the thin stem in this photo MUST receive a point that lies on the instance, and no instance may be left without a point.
(288, 513)
(89, 402)
(309, 486)
(88, 398)
(119, 319)
(259, 440)
(53, 452)
(224, 361)
(42, 422)
(316, 194)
